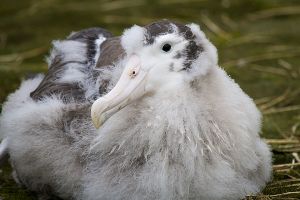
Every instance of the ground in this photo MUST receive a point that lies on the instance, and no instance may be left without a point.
(258, 43)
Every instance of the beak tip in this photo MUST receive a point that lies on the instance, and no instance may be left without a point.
(97, 121)
(96, 124)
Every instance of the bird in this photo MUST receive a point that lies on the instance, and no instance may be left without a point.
(146, 115)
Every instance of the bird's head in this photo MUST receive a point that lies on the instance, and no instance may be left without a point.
(160, 58)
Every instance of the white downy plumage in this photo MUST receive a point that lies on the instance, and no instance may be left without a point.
(175, 126)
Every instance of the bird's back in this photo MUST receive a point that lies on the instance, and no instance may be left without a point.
(71, 66)
(47, 120)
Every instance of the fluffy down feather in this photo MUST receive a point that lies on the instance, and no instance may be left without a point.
(199, 141)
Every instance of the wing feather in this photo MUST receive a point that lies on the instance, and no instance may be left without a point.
(72, 63)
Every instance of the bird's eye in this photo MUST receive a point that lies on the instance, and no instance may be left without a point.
(166, 47)
(133, 73)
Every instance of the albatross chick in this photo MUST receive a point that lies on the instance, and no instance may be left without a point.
(147, 115)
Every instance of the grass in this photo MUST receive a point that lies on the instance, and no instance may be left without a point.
(258, 43)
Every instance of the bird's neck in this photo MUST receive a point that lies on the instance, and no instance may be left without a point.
(176, 116)
(162, 132)
(163, 123)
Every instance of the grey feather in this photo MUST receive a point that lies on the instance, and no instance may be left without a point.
(111, 51)
(194, 134)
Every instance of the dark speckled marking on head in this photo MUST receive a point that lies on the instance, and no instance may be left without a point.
(164, 27)
(192, 50)
(157, 28)
(178, 55)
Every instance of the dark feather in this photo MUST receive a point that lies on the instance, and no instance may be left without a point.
(89, 36)
(110, 52)
(166, 26)
(50, 86)
(192, 50)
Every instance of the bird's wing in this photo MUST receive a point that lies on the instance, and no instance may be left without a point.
(111, 51)
(73, 65)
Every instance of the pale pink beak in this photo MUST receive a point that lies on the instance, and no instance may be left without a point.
(129, 87)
